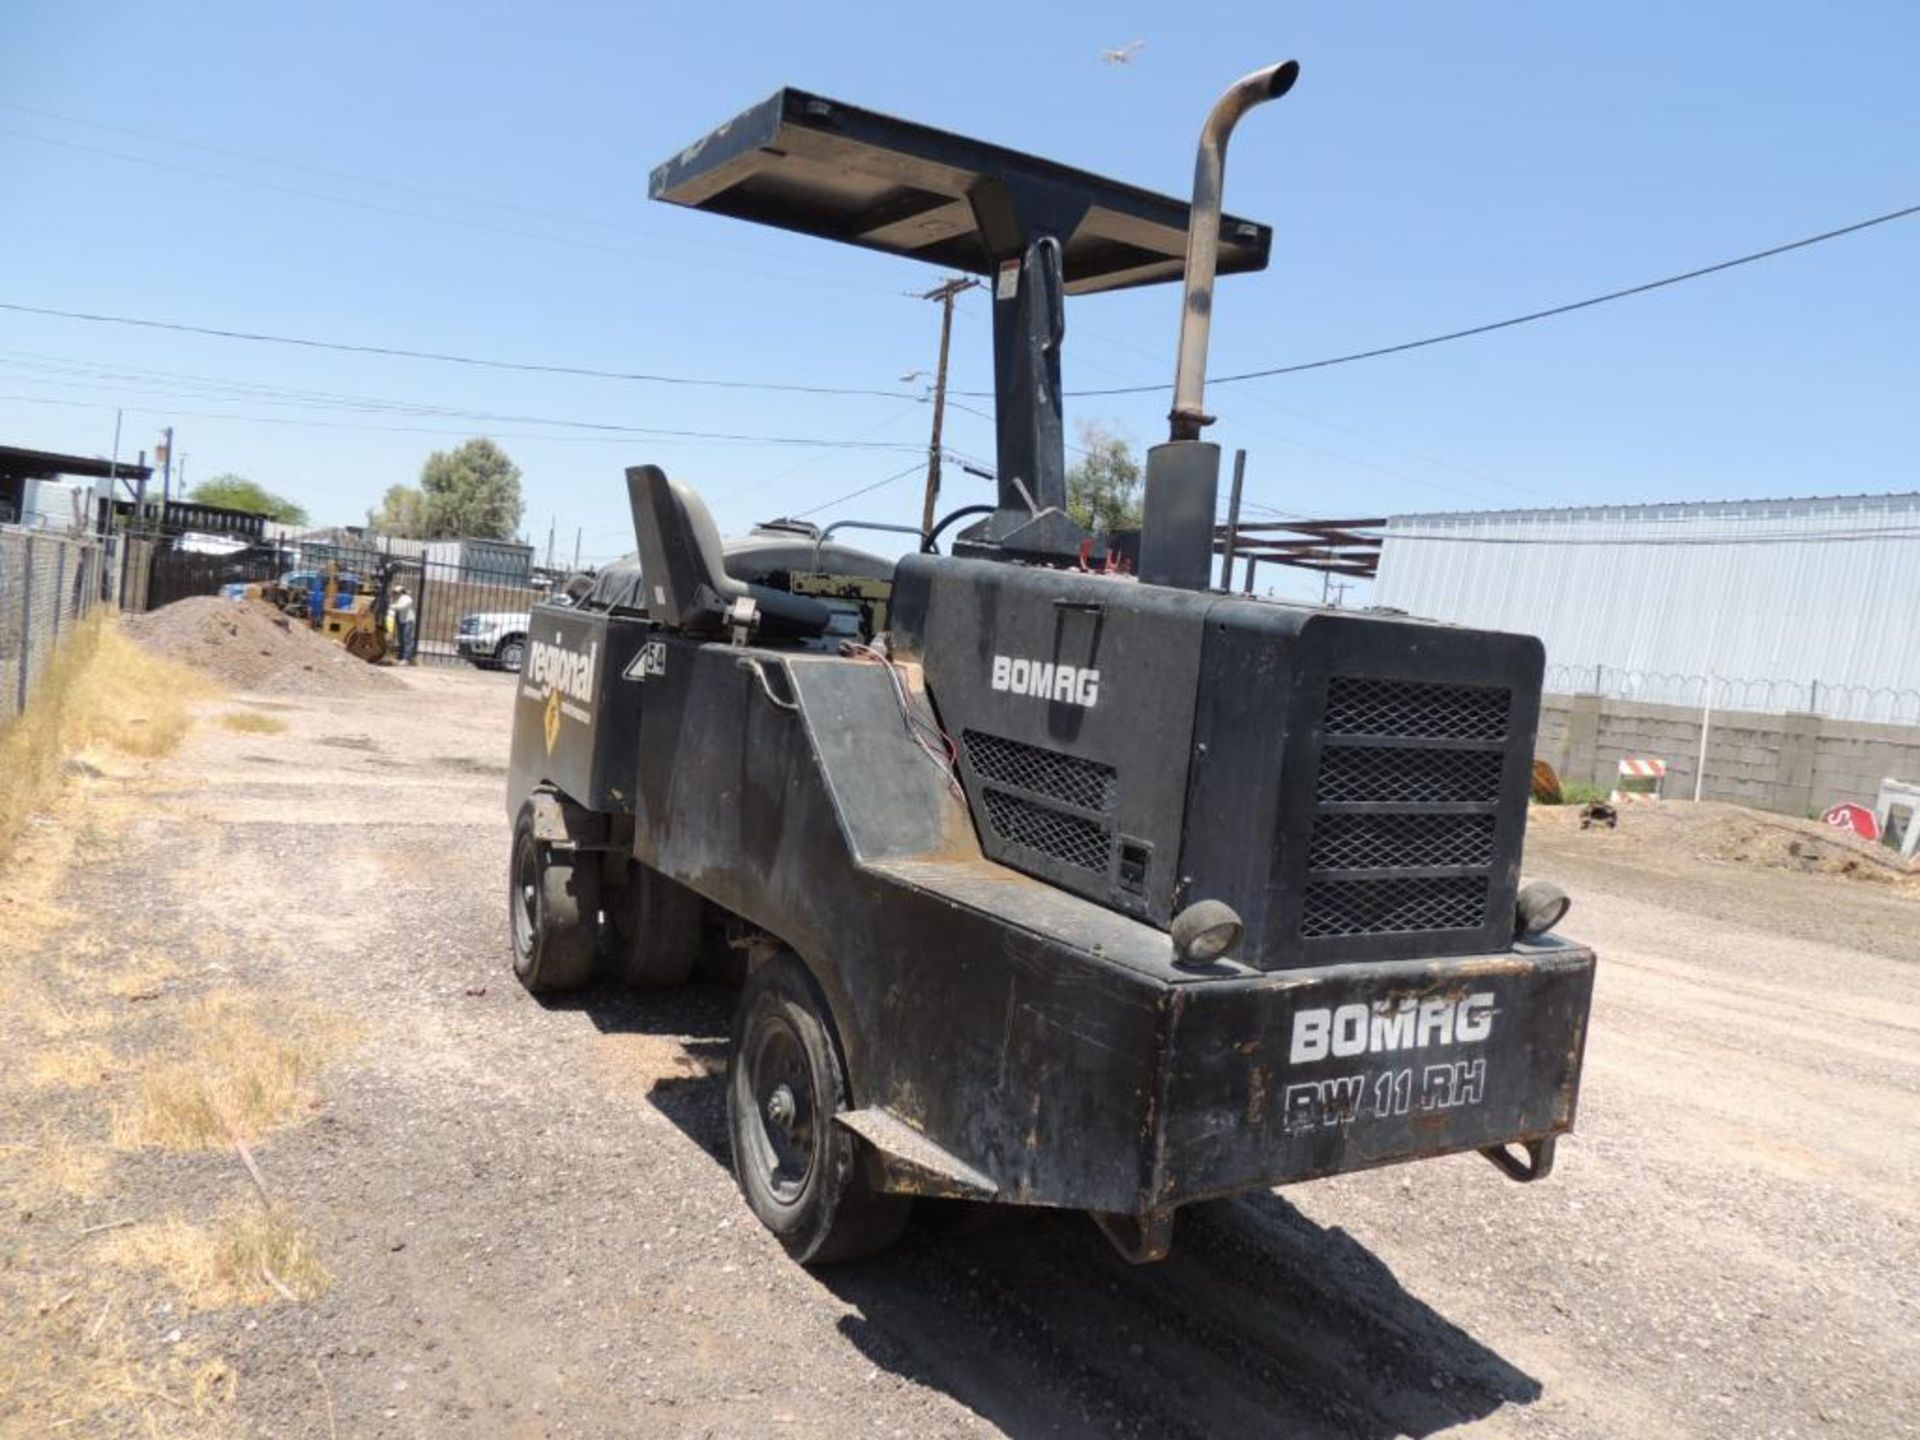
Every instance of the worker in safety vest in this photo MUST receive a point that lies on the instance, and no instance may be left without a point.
(402, 611)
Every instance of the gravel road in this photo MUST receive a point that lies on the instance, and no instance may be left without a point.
(532, 1231)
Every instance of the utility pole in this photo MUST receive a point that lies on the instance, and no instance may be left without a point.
(113, 479)
(946, 293)
(166, 472)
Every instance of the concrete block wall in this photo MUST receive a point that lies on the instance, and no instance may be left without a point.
(1795, 764)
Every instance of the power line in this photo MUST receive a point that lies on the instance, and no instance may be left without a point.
(282, 162)
(382, 207)
(445, 358)
(916, 468)
(1241, 425)
(620, 433)
(1533, 315)
(265, 395)
(741, 492)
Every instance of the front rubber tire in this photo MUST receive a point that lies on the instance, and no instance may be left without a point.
(512, 651)
(553, 904)
(801, 1174)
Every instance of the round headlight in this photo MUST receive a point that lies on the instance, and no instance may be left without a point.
(1541, 906)
(1205, 931)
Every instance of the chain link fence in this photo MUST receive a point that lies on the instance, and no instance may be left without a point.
(48, 584)
(1881, 704)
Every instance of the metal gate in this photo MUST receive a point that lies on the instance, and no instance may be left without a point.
(177, 574)
(472, 614)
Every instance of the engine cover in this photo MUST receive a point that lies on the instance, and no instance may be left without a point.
(1353, 785)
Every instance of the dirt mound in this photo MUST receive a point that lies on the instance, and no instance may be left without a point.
(248, 645)
(1782, 842)
(1733, 834)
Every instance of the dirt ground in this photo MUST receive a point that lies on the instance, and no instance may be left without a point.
(524, 1224)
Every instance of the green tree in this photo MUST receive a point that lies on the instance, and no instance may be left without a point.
(474, 490)
(402, 513)
(1104, 484)
(236, 492)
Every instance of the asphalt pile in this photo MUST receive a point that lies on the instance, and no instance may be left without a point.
(249, 645)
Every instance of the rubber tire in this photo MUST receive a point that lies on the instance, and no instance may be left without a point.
(655, 930)
(553, 904)
(512, 652)
(837, 1215)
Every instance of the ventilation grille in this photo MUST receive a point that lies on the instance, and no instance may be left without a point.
(1408, 777)
(1413, 710)
(1394, 907)
(1380, 842)
(1084, 844)
(1405, 830)
(1066, 778)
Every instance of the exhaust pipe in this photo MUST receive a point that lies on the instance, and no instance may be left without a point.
(1183, 475)
(1203, 239)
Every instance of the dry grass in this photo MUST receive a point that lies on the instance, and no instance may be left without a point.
(79, 1065)
(240, 1075)
(249, 723)
(58, 1164)
(68, 1368)
(109, 1040)
(233, 1261)
(39, 1006)
(100, 690)
(142, 978)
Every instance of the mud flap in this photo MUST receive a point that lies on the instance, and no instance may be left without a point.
(910, 1163)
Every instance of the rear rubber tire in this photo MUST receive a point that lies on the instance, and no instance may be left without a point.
(804, 1176)
(655, 929)
(553, 900)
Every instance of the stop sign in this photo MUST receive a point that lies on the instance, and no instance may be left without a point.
(1857, 818)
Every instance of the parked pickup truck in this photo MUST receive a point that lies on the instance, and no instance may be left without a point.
(497, 639)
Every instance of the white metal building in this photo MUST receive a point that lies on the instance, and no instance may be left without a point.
(1788, 604)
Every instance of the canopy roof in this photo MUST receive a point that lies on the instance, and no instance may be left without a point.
(803, 162)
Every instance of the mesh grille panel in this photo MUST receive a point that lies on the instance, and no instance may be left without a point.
(1068, 778)
(1068, 838)
(1412, 777)
(1394, 906)
(1376, 842)
(1414, 710)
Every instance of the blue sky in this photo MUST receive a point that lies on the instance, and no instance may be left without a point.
(474, 181)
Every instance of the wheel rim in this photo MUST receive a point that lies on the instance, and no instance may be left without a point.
(511, 654)
(781, 1127)
(526, 895)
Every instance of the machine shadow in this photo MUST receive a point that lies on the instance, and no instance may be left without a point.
(1260, 1323)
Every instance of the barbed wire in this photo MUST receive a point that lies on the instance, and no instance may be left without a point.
(1883, 704)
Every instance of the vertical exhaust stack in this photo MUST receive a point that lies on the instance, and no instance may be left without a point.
(1183, 475)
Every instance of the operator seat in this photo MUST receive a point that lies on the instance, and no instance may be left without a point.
(684, 571)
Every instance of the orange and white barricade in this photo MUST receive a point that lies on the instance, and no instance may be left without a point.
(1640, 779)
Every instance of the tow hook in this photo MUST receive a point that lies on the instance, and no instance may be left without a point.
(1537, 1166)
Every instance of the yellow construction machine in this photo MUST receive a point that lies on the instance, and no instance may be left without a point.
(336, 603)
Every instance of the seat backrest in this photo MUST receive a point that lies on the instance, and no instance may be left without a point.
(687, 584)
(683, 568)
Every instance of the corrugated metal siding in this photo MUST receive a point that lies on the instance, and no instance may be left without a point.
(1795, 604)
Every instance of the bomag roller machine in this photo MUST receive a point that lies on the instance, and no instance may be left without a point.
(1056, 884)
